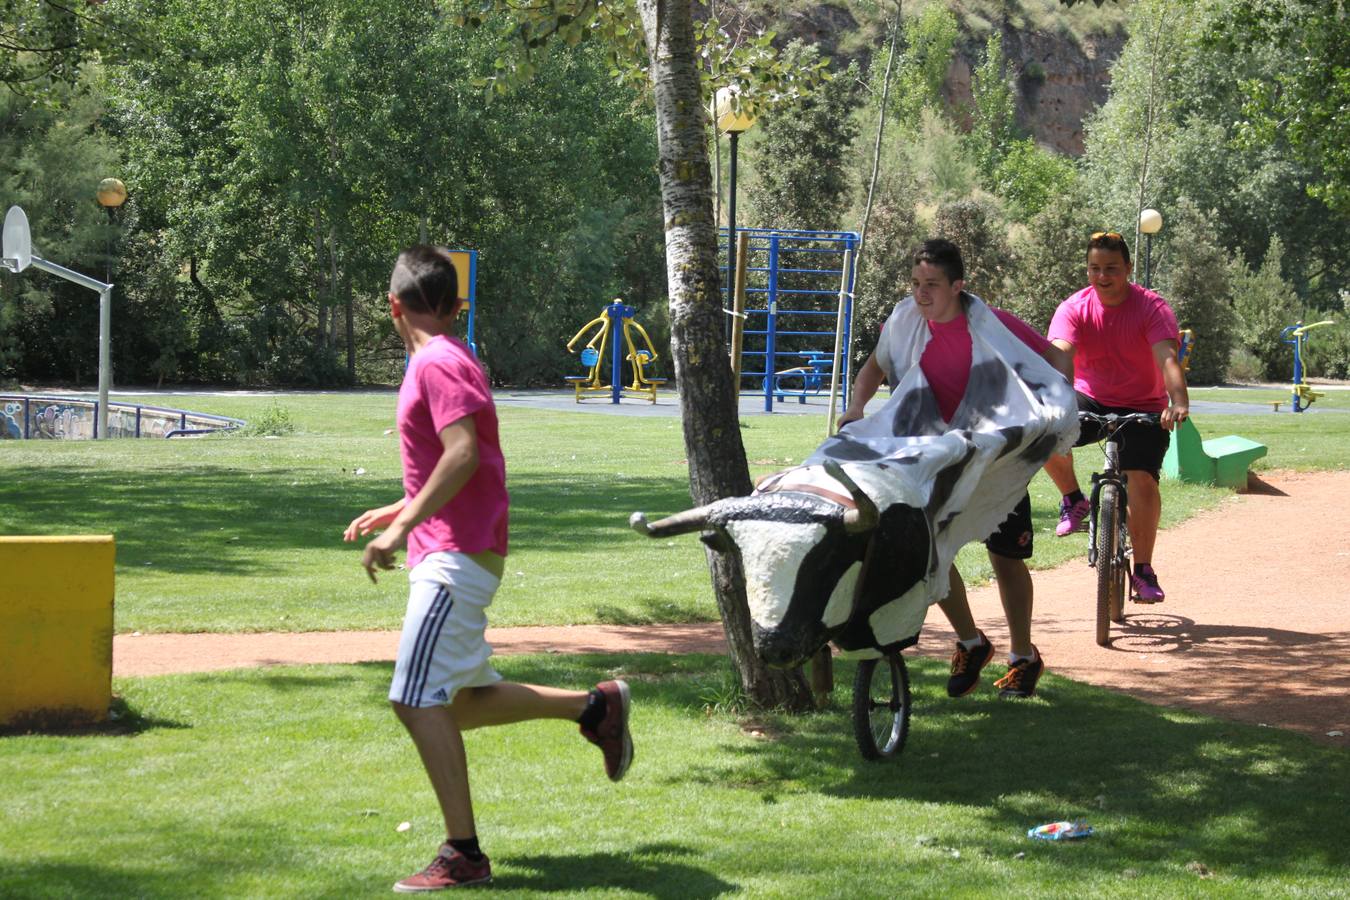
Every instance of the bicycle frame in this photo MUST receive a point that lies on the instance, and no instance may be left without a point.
(1111, 475)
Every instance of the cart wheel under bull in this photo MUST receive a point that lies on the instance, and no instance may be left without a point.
(881, 706)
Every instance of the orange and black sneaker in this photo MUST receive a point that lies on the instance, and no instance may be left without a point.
(450, 869)
(1022, 677)
(967, 665)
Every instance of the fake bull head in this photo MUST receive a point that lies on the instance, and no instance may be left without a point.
(817, 562)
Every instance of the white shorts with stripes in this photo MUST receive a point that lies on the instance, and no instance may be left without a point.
(443, 647)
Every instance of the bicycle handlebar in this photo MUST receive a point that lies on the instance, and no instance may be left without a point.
(1119, 419)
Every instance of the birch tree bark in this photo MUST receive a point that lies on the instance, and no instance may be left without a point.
(708, 402)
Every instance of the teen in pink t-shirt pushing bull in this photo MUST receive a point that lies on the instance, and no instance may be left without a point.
(453, 521)
(1123, 340)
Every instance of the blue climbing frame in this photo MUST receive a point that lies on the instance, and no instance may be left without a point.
(796, 276)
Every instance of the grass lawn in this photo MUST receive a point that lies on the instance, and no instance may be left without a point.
(291, 782)
(239, 533)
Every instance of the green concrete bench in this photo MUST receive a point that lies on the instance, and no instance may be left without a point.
(1222, 461)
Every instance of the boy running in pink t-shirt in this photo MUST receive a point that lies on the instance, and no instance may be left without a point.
(453, 521)
(1123, 340)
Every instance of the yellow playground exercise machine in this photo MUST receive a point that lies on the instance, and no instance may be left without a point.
(593, 356)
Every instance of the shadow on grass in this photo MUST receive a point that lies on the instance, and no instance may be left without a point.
(202, 518)
(646, 870)
(123, 720)
(1157, 782)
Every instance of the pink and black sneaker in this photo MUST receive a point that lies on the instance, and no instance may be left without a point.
(611, 733)
(450, 869)
(1144, 587)
(1072, 516)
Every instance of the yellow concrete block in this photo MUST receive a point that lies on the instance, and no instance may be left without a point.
(56, 627)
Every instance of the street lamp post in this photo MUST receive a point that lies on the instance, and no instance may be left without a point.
(1150, 223)
(112, 193)
(732, 119)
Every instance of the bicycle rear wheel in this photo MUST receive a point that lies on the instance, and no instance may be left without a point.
(1120, 587)
(881, 706)
(1109, 601)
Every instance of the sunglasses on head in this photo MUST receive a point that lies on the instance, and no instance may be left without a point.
(1113, 235)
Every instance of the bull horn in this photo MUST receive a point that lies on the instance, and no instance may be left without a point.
(681, 523)
(866, 516)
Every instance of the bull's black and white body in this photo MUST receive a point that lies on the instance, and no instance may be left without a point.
(855, 544)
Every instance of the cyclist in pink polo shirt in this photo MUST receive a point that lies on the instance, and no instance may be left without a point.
(1123, 340)
(453, 520)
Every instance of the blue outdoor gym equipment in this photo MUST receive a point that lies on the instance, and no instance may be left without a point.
(805, 281)
(1295, 334)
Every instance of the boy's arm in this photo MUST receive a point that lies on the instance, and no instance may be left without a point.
(373, 520)
(458, 462)
(1174, 382)
(1060, 355)
(865, 387)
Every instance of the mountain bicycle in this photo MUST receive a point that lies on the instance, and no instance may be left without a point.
(1108, 531)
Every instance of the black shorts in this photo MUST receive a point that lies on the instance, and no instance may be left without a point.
(1013, 538)
(1142, 446)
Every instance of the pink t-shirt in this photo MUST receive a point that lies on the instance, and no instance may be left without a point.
(947, 355)
(1113, 346)
(443, 384)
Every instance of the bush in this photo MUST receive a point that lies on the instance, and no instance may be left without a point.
(274, 421)
(1245, 367)
(1029, 178)
(1326, 352)
(1048, 260)
(1195, 281)
(978, 228)
(1265, 305)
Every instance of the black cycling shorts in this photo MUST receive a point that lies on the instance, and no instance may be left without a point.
(1142, 446)
(1013, 537)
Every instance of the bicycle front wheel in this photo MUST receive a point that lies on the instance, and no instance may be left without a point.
(1108, 594)
(881, 706)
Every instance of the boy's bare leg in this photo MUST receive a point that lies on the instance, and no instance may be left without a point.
(1145, 511)
(1060, 470)
(1015, 590)
(957, 608)
(507, 702)
(441, 746)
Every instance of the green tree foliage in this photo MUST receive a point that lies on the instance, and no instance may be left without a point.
(45, 43)
(978, 228)
(929, 39)
(1029, 178)
(799, 154)
(1304, 104)
(1265, 304)
(52, 157)
(1048, 260)
(300, 146)
(993, 128)
(1200, 147)
(1196, 284)
(884, 274)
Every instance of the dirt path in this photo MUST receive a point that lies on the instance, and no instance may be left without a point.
(1256, 626)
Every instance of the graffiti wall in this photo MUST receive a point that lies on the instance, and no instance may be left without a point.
(58, 418)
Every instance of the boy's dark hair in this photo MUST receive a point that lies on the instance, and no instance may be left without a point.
(943, 254)
(1109, 240)
(425, 281)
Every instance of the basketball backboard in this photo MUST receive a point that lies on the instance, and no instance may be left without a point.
(18, 241)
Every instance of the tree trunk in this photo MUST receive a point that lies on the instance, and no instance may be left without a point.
(708, 403)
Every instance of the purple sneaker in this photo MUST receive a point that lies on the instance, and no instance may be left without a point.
(1144, 586)
(1072, 516)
